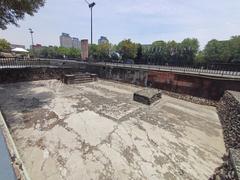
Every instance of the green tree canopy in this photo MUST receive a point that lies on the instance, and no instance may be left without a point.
(188, 50)
(127, 49)
(234, 47)
(218, 51)
(56, 52)
(13, 10)
(103, 51)
(4, 46)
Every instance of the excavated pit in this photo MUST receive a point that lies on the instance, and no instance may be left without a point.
(96, 131)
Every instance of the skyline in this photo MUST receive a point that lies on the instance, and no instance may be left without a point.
(141, 21)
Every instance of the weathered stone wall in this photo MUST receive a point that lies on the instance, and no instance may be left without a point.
(229, 114)
(197, 86)
(28, 74)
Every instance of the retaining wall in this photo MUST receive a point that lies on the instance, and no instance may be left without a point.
(32, 74)
(198, 86)
(229, 115)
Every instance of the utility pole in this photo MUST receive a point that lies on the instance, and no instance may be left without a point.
(91, 5)
(31, 32)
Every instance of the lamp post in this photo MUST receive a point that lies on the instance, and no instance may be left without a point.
(31, 32)
(91, 5)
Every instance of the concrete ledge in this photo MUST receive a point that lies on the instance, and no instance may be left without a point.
(18, 165)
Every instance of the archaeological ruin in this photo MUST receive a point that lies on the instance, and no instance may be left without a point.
(70, 120)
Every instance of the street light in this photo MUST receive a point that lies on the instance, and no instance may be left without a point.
(91, 5)
(31, 32)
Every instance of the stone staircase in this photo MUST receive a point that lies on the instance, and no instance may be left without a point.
(79, 78)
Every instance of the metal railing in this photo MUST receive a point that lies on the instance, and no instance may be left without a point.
(38, 63)
(6, 63)
(16, 63)
(186, 70)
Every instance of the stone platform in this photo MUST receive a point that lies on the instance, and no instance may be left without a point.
(147, 96)
(96, 131)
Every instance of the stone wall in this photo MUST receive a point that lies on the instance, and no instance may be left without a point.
(197, 86)
(29, 74)
(229, 115)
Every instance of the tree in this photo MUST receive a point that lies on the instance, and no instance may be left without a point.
(160, 52)
(172, 52)
(13, 10)
(218, 51)
(234, 45)
(74, 53)
(200, 58)
(93, 51)
(139, 53)
(103, 51)
(4, 46)
(188, 50)
(127, 49)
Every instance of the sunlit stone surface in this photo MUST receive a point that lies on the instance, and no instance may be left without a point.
(96, 131)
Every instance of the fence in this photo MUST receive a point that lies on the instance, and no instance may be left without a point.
(215, 71)
(15, 63)
(209, 71)
(22, 63)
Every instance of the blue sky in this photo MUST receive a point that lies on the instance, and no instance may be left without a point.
(143, 21)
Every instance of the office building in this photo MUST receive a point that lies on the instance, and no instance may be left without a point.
(66, 40)
(69, 42)
(103, 40)
(75, 43)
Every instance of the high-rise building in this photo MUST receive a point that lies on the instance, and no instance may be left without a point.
(69, 42)
(66, 40)
(75, 43)
(103, 40)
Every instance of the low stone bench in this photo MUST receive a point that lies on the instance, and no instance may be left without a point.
(147, 96)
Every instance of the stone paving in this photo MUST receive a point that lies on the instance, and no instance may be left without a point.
(96, 131)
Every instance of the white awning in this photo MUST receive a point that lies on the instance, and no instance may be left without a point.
(19, 50)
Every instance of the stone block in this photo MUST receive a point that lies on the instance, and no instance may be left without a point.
(147, 96)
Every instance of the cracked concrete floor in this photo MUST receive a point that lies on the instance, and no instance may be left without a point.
(96, 131)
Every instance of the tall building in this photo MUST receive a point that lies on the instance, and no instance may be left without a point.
(69, 42)
(103, 40)
(66, 40)
(75, 43)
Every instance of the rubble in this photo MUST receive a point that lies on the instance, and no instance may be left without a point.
(229, 114)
